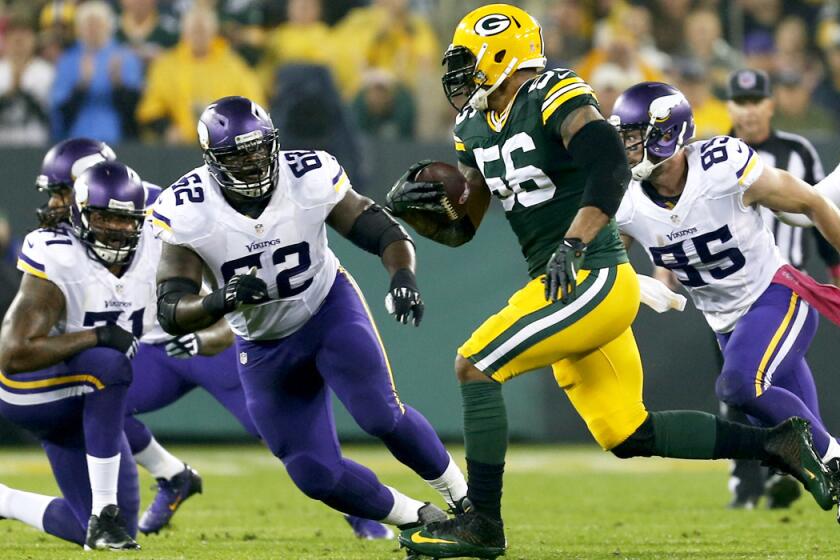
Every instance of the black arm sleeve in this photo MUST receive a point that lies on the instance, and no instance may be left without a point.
(375, 229)
(168, 294)
(598, 149)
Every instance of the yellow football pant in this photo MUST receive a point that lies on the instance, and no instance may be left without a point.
(588, 343)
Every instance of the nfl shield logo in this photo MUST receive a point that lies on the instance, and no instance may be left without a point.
(259, 229)
(747, 80)
(243, 358)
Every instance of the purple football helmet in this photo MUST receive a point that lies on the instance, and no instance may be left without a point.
(660, 116)
(108, 211)
(240, 147)
(62, 164)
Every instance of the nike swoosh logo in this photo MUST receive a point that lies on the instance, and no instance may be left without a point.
(810, 474)
(174, 505)
(420, 539)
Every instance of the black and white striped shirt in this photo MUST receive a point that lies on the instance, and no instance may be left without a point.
(796, 155)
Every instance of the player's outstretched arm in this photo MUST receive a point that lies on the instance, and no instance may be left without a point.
(25, 344)
(779, 190)
(181, 310)
(828, 187)
(369, 227)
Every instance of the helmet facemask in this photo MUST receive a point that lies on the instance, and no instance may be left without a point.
(56, 210)
(110, 235)
(248, 170)
(643, 136)
(462, 76)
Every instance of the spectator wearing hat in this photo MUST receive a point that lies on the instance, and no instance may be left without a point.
(97, 81)
(25, 82)
(751, 107)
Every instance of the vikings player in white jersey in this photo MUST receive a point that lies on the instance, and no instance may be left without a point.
(171, 366)
(695, 210)
(65, 354)
(254, 217)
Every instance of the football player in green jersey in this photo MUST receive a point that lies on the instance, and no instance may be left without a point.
(537, 142)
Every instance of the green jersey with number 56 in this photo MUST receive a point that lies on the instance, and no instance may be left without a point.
(525, 164)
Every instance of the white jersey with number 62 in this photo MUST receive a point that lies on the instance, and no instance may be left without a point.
(287, 243)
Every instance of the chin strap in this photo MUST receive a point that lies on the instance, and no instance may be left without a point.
(645, 168)
(479, 99)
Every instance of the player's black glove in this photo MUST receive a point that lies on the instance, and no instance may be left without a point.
(242, 289)
(403, 299)
(184, 346)
(116, 337)
(407, 195)
(561, 270)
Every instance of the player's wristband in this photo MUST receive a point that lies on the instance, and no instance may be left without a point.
(834, 272)
(404, 278)
(215, 303)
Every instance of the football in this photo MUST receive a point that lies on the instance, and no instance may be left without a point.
(454, 183)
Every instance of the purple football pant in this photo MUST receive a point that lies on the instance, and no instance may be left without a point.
(160, 380)
(76, 408)
(765, 373)
(288, 383)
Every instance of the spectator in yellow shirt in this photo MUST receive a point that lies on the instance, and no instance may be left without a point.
(185, 79)
(386, 35)
(303, 38)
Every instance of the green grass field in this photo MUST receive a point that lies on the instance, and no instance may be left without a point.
(560, 503)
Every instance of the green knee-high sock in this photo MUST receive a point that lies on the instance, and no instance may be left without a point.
(689, 434)
(485, 438)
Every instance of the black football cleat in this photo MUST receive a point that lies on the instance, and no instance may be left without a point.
(107, 531)
(833, 466)
(470, 535)
(461, 507)
(790, 449)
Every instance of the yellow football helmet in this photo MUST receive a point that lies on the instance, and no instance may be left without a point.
(490, 43)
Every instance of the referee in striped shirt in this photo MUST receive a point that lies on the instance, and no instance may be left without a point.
(751, 109)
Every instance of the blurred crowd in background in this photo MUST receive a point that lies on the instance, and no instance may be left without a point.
(144, 69)
(334, 71)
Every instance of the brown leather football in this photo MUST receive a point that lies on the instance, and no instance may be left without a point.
(455, 185)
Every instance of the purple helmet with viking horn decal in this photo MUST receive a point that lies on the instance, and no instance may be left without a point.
(661, 117)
